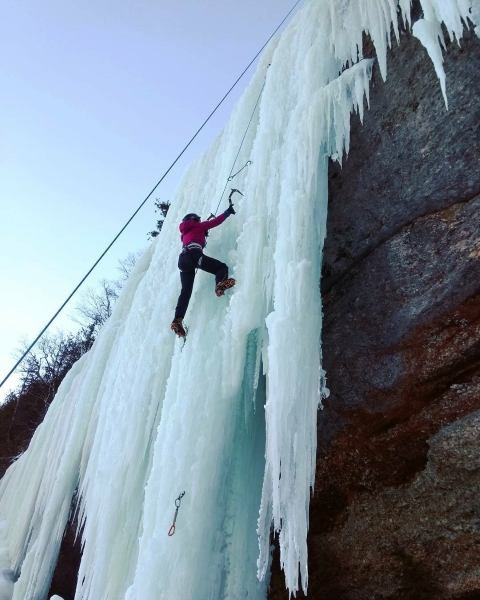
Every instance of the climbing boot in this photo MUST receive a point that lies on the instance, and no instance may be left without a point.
(224, 285)
(177, 327)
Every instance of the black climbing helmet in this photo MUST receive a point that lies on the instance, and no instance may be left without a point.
(191, 217)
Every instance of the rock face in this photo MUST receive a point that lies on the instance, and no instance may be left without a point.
(395, 513)
(416, 541)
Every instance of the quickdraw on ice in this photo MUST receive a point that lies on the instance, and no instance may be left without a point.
(171, 531)
(247, 164)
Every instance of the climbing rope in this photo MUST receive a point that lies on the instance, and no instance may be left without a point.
(171, 531)
(146, 199)
(249, 162)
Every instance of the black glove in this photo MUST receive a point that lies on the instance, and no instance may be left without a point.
(230, 210)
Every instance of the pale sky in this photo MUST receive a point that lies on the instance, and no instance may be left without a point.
(97, 98)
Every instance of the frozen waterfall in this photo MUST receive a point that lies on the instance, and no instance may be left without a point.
(231, 418)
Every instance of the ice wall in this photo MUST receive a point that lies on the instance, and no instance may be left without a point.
(231, 418)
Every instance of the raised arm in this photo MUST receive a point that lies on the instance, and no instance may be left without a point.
(205, 225)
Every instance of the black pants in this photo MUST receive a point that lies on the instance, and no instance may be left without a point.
(188, 261)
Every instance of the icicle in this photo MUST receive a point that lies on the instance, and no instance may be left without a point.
(453, 14)
(430, 35)
(475, 16)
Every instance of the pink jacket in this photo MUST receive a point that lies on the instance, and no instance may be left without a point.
(195, 232)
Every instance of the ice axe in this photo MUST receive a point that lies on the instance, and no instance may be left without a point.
(231, 194)
(230, 202)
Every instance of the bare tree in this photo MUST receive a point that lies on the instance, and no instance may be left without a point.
(96, 305)
(44, 368)
(125, 267)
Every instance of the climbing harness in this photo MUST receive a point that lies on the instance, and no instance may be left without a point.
(249, 162)
(171, 531)
(193, 246)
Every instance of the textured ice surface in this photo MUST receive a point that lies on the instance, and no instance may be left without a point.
(6, 575)
(231, 419)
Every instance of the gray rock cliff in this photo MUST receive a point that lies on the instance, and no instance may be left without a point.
(395, 513)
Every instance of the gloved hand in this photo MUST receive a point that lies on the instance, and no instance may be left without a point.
(230, 210)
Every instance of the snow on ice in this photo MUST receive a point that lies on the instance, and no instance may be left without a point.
(231, 419)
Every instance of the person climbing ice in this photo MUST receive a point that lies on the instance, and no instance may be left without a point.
(194, 232)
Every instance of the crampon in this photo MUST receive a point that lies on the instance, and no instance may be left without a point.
(224, 285)
(177, 327)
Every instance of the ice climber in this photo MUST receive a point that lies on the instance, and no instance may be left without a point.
(194, 232)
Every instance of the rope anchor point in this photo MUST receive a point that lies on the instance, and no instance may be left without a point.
(178, 501)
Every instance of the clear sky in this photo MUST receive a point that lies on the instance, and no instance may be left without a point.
(97, 98)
